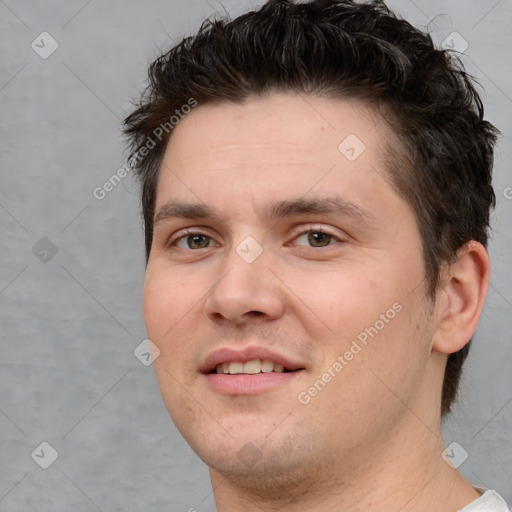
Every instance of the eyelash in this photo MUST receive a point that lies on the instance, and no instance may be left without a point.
(310, 229)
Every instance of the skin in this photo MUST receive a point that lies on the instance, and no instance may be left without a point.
(370, 439)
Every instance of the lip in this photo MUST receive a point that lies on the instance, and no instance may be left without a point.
(227, 354)
(248, 384)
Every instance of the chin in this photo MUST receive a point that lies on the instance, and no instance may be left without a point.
(267, 474)
(275, 463)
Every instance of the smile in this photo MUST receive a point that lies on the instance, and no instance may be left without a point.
(252, 367)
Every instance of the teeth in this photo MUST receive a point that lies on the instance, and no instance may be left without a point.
(267, 366)
(250, 367)
(235, 368)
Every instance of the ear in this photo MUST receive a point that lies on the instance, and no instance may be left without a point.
(461, 299)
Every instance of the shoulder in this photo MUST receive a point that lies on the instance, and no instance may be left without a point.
(490, 501)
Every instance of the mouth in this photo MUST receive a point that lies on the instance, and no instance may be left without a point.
(248, 371)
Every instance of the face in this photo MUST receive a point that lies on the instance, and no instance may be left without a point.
(282, 256)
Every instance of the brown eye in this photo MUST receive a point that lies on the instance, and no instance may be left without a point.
(193, 241)
(315, 239)
(319, 239)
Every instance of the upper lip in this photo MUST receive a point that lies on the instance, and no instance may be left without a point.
(227, 354)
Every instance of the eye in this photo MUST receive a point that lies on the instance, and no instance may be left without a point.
(317, 238)
(192, 241)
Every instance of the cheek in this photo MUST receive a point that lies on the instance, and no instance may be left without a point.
(342, 302)
(166, 300)
(367, 312)
(374, 379)
(166, 306)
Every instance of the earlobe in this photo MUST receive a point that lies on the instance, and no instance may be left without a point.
(462, 298)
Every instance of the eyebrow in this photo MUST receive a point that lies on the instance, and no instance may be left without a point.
(276, 211)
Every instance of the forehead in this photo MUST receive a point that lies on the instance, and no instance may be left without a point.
(280, 145)
(305, 124)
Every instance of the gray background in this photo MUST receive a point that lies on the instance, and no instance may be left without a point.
(69, 325)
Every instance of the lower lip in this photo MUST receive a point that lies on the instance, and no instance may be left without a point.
(248, 384)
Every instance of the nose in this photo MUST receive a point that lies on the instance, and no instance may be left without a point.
(245, 292)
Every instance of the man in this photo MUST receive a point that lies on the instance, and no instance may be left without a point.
(316, 187)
